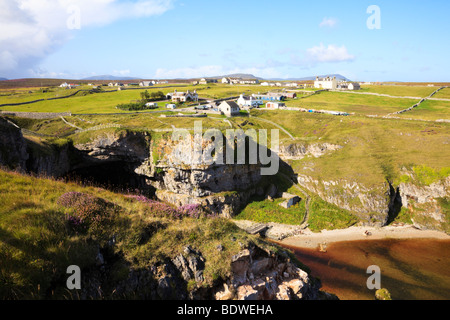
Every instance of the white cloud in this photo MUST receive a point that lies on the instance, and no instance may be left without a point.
(332, 53)
(33, 29)
(328, 22)
(126, 72)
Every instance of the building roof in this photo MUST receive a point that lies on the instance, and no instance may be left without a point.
(232, 104)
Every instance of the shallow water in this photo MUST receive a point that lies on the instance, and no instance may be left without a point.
(413, 269)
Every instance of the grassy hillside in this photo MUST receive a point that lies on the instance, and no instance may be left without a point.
(374, 149)
(352, 103)
(40, 236)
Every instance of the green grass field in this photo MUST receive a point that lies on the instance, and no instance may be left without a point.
(443, 94)
(374, 149)
(400, 90)
(352, 103)
(429, 110)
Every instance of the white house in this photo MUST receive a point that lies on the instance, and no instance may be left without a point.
(184, 96)
(354, 86)
(326, 83)
(275, 105)
(229, 108)
(249, 81)
(225, 81)
(247, 101)
(151, 105)
(64, 85)
(145, 84)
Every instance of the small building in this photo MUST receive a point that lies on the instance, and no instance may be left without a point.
(226, 81)
(206, 81)
(275, 105)
(354, 86)
(291, 200)
(269, 97)
(247, 101)
(151, 105)
(229, 108)
(145, 84)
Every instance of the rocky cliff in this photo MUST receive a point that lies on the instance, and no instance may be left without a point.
(372, 205)
(298, 151)
(13, 148)
(256, 274)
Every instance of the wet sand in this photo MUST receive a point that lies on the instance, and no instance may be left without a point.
(415, 264)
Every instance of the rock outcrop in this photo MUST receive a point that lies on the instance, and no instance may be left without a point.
(258, 274)
(13, 148)
(298, 151)
(423, 203)
(372, 205)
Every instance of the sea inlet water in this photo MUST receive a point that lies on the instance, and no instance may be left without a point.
(412, 269)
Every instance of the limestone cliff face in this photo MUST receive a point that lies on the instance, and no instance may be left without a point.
(256, 274)
(13, 148)
(372, 205)
(126, 146)
(181, 177)
(298, 151)
(178, 170)
(423, 204)
(174, 170)
(262, 275)
(54, 163)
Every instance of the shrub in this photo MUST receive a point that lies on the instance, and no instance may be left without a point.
(161, 209)
(88, 211)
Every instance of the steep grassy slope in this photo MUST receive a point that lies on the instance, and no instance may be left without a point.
(39, 238)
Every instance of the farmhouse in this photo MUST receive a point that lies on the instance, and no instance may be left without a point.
(326, 83)
(247, 101)
(229, 108)
(183, 96)
(226, 81)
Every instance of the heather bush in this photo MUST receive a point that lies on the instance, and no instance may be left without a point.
(88, 211)
(164, 210)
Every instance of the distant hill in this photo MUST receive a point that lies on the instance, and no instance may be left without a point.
(338, 76)
(109, 77)
(3, 79)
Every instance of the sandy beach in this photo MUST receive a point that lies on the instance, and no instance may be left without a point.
(308, 239)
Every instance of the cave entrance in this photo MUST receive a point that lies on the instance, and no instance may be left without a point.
(117, 176)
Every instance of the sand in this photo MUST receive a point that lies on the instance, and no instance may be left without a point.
(312, 240)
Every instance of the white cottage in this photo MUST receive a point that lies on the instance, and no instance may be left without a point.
(229, 108)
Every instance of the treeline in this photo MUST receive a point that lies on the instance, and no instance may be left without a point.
(146, 97)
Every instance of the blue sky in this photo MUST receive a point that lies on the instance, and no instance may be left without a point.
(196, 38)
